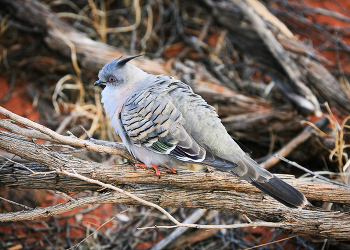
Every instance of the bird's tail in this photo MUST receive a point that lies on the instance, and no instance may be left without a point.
(282, 192)
(249, 170)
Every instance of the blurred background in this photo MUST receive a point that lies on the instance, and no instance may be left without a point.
(48, 67)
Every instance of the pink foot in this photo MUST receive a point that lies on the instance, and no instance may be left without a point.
(152, 166)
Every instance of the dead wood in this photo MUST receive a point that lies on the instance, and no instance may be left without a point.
(91, 54)
(31, 151)
(295, 57)
(311, 221)
(292, 74)
(16, 176)
(186, 189)
(275, 48)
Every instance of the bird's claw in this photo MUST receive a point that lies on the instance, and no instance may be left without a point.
(208, 169)
(173, 170)
(152, 166)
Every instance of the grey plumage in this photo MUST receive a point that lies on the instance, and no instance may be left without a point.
(163, 122)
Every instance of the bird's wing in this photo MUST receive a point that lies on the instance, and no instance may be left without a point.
(223, 153)
(163, 118)
(151, 120)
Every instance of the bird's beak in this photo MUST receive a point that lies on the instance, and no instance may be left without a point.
(99, 82)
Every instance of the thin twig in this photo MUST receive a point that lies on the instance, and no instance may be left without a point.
(194, 217)
(311, 172)
(15, 203)
(299, 139)
(254, 224)
(109, 186)
(64, 195)
(7, 161)
(269, 243)
(77, 245)
(16, 163)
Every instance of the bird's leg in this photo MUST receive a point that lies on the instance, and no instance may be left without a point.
(152, 166)
(155, 167)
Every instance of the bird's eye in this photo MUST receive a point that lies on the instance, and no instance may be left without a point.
(111, 79)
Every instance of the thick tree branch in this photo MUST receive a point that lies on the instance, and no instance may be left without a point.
(219, 191)
(16, 176)
(312, 221)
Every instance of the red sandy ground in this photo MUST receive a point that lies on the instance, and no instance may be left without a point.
(19, 103)
(336, 6)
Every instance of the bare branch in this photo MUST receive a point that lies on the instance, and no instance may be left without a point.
(194, 217)
(15, 203)
(312, 221)
(127, 174)
(120, 150)
(253, 224)
(311, 172)
(30, 133)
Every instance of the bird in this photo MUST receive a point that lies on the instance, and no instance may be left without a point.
(162, 122)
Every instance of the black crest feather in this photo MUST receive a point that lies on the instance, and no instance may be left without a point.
(124, 61)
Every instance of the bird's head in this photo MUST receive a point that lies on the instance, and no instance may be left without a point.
(117, 72)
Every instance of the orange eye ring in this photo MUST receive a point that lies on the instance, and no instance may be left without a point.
(111, 79)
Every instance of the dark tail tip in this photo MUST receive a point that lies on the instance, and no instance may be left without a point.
(282, 192)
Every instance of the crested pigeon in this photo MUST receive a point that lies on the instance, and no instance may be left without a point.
(162, 122)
